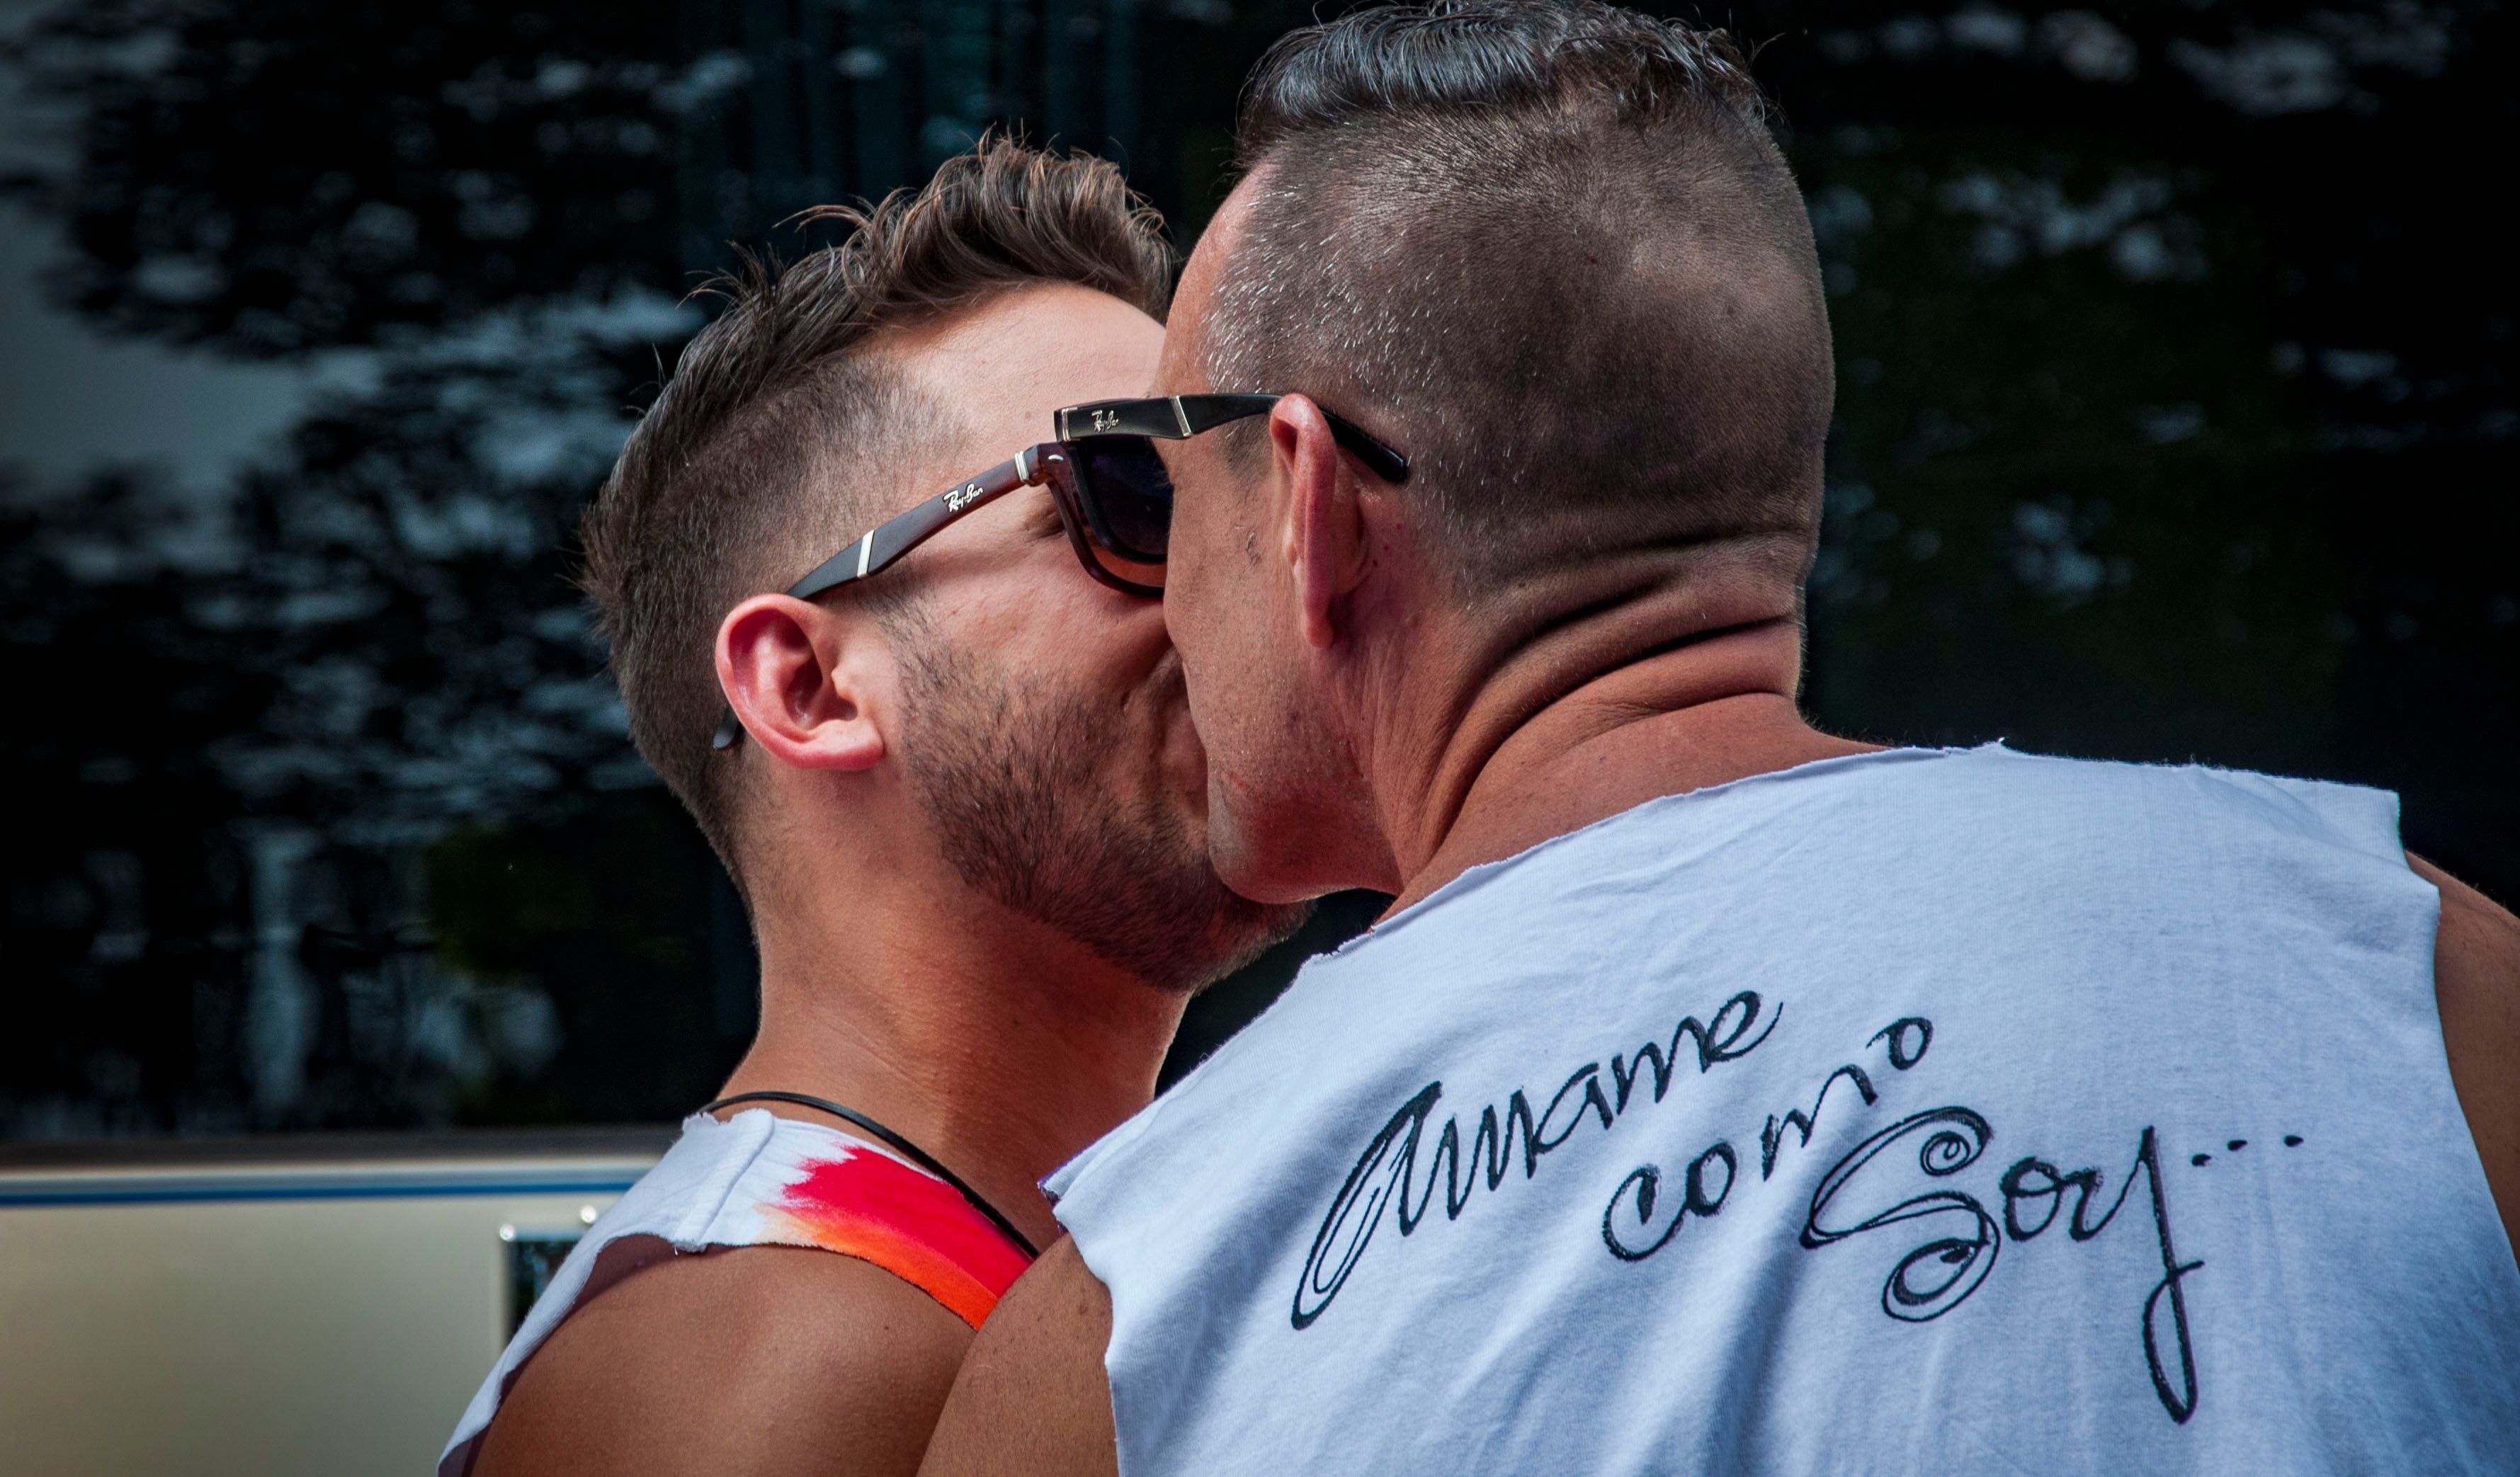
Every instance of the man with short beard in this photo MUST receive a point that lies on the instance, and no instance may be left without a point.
(951, 770)
(1720, 1095)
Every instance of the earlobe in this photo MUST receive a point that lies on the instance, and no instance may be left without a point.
(1324, 527)
(795, 676)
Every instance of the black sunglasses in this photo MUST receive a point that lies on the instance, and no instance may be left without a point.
(1113, 496)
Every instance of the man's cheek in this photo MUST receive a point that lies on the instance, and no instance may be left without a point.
(1194, 609)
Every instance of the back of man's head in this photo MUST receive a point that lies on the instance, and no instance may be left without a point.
(769, 447)
(1548, 247)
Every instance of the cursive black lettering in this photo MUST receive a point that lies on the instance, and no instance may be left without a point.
(1721, 1041)
(1937, 1277)
(1457, 1184)
(1900, 1032)
(2037, 1181)
(1386, 1174)
(1542, 1141)
(1772, 1138)
(1356, 1209)
(2180, 1402)
(1643, 1190)
(1499, 1145)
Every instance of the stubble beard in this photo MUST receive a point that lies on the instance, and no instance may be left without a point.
(1011, 773)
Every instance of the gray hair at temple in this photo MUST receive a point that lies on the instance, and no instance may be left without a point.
(1551, 251)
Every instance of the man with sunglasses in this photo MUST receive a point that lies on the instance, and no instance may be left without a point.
(1717, 1095)
(951, 770)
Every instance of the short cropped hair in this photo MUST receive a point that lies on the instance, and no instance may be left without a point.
(763, 452)
(1551, 251)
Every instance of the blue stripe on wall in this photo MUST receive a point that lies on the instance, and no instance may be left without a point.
(58, 1194)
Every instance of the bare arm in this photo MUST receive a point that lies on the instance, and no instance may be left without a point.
(763, 1359)
(2476, 979)
(1033, 1400)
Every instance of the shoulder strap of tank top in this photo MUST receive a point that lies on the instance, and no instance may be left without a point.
(909, 1150)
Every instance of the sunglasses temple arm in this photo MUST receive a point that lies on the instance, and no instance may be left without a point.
(1201, 413)
(1378, 459)
(880, 546)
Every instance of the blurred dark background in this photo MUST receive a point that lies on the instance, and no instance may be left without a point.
(2175, 422)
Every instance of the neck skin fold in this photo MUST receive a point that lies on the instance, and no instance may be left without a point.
(995, 1045)
(1651, 680)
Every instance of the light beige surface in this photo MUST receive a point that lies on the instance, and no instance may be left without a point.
(263, 1336)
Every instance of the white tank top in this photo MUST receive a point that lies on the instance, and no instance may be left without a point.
(758, 1180)
(1922, 1111)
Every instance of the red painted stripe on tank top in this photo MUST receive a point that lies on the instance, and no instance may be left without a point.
(905, 1221)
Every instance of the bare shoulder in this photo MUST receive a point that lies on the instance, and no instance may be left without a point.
(1033, 1398)
(757, 1359)
(2476, 979)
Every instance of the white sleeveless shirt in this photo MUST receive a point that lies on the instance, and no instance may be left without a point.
(758, 1180)
(1921, 1111)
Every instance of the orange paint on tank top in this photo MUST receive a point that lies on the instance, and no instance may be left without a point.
(910, 1224)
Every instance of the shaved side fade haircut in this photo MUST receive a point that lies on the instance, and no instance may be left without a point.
(1549, 249)
(769, 445)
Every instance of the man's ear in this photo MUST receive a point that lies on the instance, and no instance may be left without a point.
(1324, 529)
(797, 676)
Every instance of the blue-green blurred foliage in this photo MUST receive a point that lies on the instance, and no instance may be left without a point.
(2175, 421)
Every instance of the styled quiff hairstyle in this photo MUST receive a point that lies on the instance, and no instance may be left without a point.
(767, 446)
(1549, 249)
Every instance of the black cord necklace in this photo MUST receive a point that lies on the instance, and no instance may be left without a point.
(913, 1152)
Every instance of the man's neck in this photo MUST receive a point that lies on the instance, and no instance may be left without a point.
(996, 1047)
(1591, 721)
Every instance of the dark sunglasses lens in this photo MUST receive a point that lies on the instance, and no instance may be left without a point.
(1128, 496)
